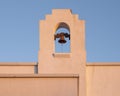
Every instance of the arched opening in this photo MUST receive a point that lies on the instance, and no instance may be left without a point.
(62, 38)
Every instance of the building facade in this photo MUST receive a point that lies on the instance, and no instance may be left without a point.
(61, 69)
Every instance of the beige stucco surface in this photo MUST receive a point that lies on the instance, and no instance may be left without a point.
(38, 86)
(49, 61)
(17, 68)
(103, 79)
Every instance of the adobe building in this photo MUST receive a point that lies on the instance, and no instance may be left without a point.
(60, 72)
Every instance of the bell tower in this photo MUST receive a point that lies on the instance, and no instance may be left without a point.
(62, 46)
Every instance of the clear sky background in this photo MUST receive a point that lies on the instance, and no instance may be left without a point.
(19, 35)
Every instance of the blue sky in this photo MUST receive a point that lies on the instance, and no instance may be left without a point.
(19, 36)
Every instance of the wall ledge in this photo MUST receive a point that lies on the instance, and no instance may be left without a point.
(103, 64)
(39, 76)
(18, 63)
(62, 55)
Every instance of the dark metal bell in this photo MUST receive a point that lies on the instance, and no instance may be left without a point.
(62, 39)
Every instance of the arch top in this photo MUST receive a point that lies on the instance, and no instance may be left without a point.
(62, 25)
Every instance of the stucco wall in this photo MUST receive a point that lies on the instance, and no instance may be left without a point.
(38, 85)
(103, 79)
(74, 62)
(17, 68)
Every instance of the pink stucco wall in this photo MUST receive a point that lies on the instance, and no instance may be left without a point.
(103, 79)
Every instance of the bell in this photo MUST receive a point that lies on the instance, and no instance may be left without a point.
(62, 37)
(62, 40)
